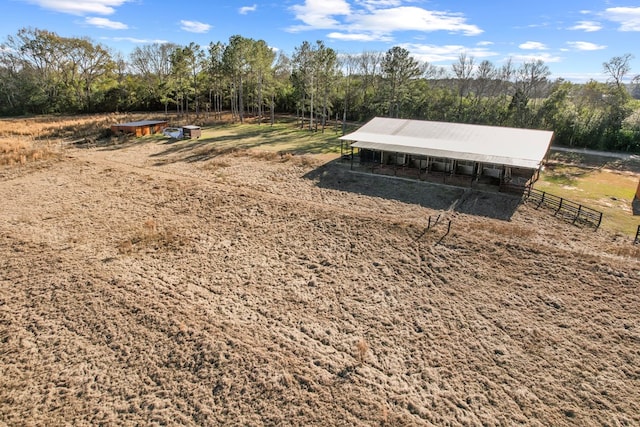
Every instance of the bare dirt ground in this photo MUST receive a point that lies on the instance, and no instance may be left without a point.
(146, 284)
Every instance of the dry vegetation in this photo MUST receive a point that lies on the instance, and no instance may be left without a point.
(159, 283)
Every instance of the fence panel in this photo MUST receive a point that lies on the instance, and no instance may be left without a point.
(567, 209)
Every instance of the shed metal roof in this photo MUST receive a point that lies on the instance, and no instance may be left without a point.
(524, 148)
(141, 123)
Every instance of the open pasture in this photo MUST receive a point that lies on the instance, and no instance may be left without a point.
(241, 280)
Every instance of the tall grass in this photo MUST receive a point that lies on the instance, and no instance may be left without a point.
(24, 140)
(20, 151)
(150, 236)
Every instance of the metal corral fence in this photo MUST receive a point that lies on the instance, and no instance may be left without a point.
(571, 211)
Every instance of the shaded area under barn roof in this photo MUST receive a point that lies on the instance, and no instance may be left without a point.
(515, 147)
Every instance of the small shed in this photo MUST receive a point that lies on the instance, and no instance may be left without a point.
(191, 131)
(140, 128)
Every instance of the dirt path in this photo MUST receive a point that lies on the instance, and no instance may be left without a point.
(138, 287)
(615, 155)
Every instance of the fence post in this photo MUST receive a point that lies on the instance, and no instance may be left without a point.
(577, 215)
(541, 199)
(559, 207)
(445, 234)
(600, 221)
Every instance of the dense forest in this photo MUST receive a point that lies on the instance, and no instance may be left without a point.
(44, 73)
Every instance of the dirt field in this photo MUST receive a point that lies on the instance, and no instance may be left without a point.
(150, 284)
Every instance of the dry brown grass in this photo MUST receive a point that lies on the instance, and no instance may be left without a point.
(631, 251)
(300, 160)
(20, 151)
(506, 229)
(64, 127)
(26, 140)
(216, 164)
(150, 236)
(362, 347)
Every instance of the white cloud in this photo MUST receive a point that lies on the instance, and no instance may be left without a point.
(585, 46)
(542, 56)
(359, 37)
(627, 17)
(80, 7)
(377, 17)
(135, 40)
(377, 4)
(319, 14)
(246, 9)
(485, 43)
(445, 53)
(194, 26)
(106, 23)
(579, 77)
(533, 46)
(588, 26)
(409, 18)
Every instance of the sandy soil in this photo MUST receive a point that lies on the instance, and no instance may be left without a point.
(153, 284)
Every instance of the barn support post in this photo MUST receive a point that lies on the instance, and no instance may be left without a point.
(395, 164)
(351, 157)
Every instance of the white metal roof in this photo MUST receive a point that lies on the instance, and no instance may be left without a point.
(487, 144)
(141, 123)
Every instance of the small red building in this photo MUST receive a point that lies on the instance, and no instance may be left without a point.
(141, 128)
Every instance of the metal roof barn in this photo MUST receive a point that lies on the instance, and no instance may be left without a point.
(525, 148)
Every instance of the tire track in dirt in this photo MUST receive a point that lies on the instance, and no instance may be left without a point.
(241, 191)
(255, 319)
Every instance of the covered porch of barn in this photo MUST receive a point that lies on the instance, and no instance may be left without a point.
(444, 170)
(455, 154)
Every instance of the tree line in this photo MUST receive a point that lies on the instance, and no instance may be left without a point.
(44, 73)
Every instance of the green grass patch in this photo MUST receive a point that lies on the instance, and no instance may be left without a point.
(608, 191)
(279, 137)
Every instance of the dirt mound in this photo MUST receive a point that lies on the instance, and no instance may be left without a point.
(141, 288)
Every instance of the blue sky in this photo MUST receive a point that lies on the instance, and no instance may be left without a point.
(572, 37)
